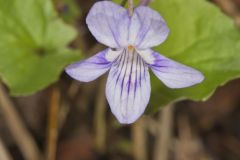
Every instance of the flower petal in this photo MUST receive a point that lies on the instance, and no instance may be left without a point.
(108, 23)
(93, 67)
(147, 28)
(128, 87)
(174, 74)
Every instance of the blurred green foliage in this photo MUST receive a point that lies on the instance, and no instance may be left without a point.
(203, 37)
(33, 45)
(68, 10)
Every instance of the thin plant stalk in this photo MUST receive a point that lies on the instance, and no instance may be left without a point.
(52, 132)
(164, 135)
(139, 140)
(100, 119)
(4, 154)
(20, 134)
(130, 7)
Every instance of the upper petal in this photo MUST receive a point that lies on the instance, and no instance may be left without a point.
(174, 74)
(128, 87)
(108, 23)
(93, 67)
(147, 28)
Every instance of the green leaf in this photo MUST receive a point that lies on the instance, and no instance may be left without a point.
(201, 37)
(68, 10)
(33, 45)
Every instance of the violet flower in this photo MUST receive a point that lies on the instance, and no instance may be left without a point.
(128, 58)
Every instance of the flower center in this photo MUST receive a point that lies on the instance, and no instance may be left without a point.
(131, 48)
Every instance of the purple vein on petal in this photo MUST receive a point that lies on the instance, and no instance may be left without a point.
(129, 24)
(140, 74)
(143, 31)
(130, 75)
(140, 32)
(136, 77)
(144, 71)
(124, 73)
(111, 29)
(118, 62)
(122, 65)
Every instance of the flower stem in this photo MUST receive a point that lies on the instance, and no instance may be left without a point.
(130, 7)
(16, 126)
(139, 139)
(164, 139)
(52, 133)
(100, 119)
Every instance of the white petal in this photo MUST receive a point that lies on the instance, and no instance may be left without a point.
(147, 28)
(93, 67)
(128, 87)
(108, 23)
(174, 74)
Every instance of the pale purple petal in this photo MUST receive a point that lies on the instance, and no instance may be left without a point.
(128, 87)
(93, 67)
(108, 23)
(174, 74)
(147, 28)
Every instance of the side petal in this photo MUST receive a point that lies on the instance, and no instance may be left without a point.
(147, 28)
(174, 74)
(93, 67)
(108, 23)
(128, 87)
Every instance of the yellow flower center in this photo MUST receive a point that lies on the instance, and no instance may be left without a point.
(130, 47)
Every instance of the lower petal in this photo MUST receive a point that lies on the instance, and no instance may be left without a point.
(128, 87)
(174, 74)
(93, 67)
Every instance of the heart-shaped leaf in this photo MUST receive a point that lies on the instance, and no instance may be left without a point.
(202, 37)
(33, 45)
